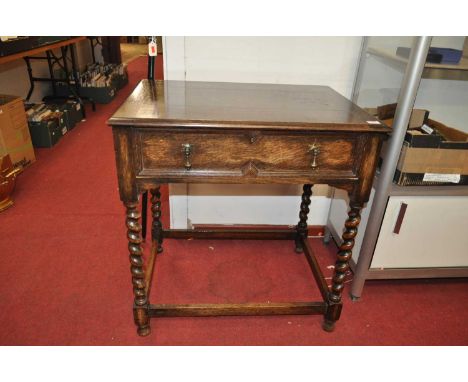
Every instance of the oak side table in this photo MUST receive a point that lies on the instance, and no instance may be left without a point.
(214, 132)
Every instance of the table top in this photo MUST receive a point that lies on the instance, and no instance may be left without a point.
(40, 49)
(194, 104)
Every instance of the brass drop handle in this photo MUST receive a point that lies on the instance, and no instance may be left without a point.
(187, 150)
(315, 150)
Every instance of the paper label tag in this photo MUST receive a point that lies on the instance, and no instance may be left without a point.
(64, 130)
(373, 123)
(449, 178)
(427, 129)
(152, 49)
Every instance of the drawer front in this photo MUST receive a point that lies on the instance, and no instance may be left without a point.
(251, 154)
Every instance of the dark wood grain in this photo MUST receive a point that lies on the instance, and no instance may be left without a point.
(137, 268)
(301, 227)
(150, 268)
(221, 105)
(197, 132)
(156, 227)
(345, 252)
(231, 234)
(246, 309)
(245, 155)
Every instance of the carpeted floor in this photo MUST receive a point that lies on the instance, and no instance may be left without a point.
(132, 51)
(65, 280)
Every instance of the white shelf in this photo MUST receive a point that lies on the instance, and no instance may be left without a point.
(433, 71)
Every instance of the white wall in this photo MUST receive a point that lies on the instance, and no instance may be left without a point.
(328, 61)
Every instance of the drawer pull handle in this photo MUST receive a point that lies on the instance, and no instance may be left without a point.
(187, 150)
(315, 150)
(401, 216)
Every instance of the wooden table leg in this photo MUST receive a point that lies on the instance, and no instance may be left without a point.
(342, 266)
(156, 228)
(140, 308)
(144, 213)
(301, 227)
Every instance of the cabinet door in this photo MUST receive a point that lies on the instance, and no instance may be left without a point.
(433, 233)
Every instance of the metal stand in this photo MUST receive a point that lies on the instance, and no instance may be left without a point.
(406, 101)
(62, 62)
(144, 198)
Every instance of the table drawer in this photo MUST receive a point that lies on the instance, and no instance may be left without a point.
(245, 154)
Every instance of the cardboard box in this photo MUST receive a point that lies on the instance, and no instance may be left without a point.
(439, 158)
(14, 133)
(387, 112)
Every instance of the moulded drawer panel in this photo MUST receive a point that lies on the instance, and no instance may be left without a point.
(434, 233)
(247, 154)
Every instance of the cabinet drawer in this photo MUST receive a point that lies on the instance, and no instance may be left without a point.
(251, 154)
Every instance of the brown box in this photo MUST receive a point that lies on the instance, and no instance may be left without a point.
(440, 158)
(14, 132)
(386, 112)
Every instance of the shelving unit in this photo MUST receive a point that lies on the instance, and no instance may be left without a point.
(457, 72)
(379, 253)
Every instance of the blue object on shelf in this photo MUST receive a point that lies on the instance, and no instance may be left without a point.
(449, 56)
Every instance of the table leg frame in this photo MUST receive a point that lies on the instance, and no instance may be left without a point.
(330, 306)
(244, 309)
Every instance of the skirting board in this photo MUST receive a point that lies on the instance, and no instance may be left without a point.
(412, 273)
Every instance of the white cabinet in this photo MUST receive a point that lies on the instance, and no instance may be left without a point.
(432, 240)
(433, 233)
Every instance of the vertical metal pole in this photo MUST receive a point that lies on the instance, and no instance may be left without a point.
(144, 199)
(360, 72)
(31, 78)
(151, 61)
(77, 81)
(51, 72)
(74, 69)
(91, 39)
(65, 65)
(151, 67)
(408, 92)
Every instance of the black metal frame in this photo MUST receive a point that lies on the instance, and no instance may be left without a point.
(62, 62)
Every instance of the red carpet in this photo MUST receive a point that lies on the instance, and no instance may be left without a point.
(65, 279)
